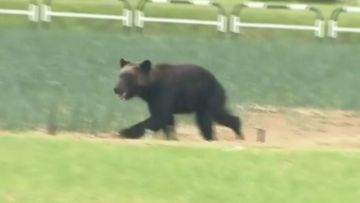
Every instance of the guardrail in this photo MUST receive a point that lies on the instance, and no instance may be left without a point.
(32, 12)
(47, 13)
(334, 29)
(236, 24)
(43, 12)
(220, 23)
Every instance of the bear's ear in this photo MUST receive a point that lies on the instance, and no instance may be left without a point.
(123, 62)
(145, 66)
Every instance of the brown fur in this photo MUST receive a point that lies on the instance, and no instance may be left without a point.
(175, 89)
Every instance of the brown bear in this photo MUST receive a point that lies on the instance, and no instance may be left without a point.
(174, 89)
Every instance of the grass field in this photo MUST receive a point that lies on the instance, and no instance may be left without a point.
(62, 78)
(67, 78)
(68, 170)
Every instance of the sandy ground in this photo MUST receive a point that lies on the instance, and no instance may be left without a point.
(304, 127)
(287, 128)
(284, 128)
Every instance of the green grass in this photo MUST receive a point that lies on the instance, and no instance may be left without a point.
(63, 75)
(55, 170)
(66, 78)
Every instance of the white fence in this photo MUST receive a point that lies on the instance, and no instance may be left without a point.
(334, 29)
(236, 24)
(32, 12)
(220, 23)
(47, 14)
(43, 12)
(38, 12)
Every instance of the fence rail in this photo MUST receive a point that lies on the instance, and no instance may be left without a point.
(47, 14)
(32, 12)
(236, 24)
(37, 12)
(334, 29)
(220, 23)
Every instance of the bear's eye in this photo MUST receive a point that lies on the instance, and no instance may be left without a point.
(128, 77)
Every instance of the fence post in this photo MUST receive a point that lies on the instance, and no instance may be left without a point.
(333, 22)
(220, 22)
(32, 12)
(237, 24)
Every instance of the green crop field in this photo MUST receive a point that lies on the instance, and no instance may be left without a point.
(66, 78)
(57, 170)
(62, 75)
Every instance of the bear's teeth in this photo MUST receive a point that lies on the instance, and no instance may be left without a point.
(123, 95)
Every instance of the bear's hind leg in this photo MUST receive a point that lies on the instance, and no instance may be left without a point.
(233, 122)
(204, 121)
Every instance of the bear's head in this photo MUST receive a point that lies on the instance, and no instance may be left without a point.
(133, 78)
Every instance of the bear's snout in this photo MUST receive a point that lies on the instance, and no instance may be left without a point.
(121, 93)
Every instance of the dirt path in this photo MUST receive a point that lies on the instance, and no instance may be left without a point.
(288, 128)
(300, 128)
(306, 127)
(285, 128)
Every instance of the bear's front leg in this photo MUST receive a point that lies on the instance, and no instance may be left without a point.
(161, 115)
(155, 124)
(169, 129)
(138, 130)
(135, 131)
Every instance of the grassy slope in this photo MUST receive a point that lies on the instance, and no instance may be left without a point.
(53, 170)
(65, 77)
(71, 75)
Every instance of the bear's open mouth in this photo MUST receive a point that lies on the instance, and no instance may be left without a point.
(123, 95)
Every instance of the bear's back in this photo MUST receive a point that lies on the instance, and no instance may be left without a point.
(182, 73)
(186, 81)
